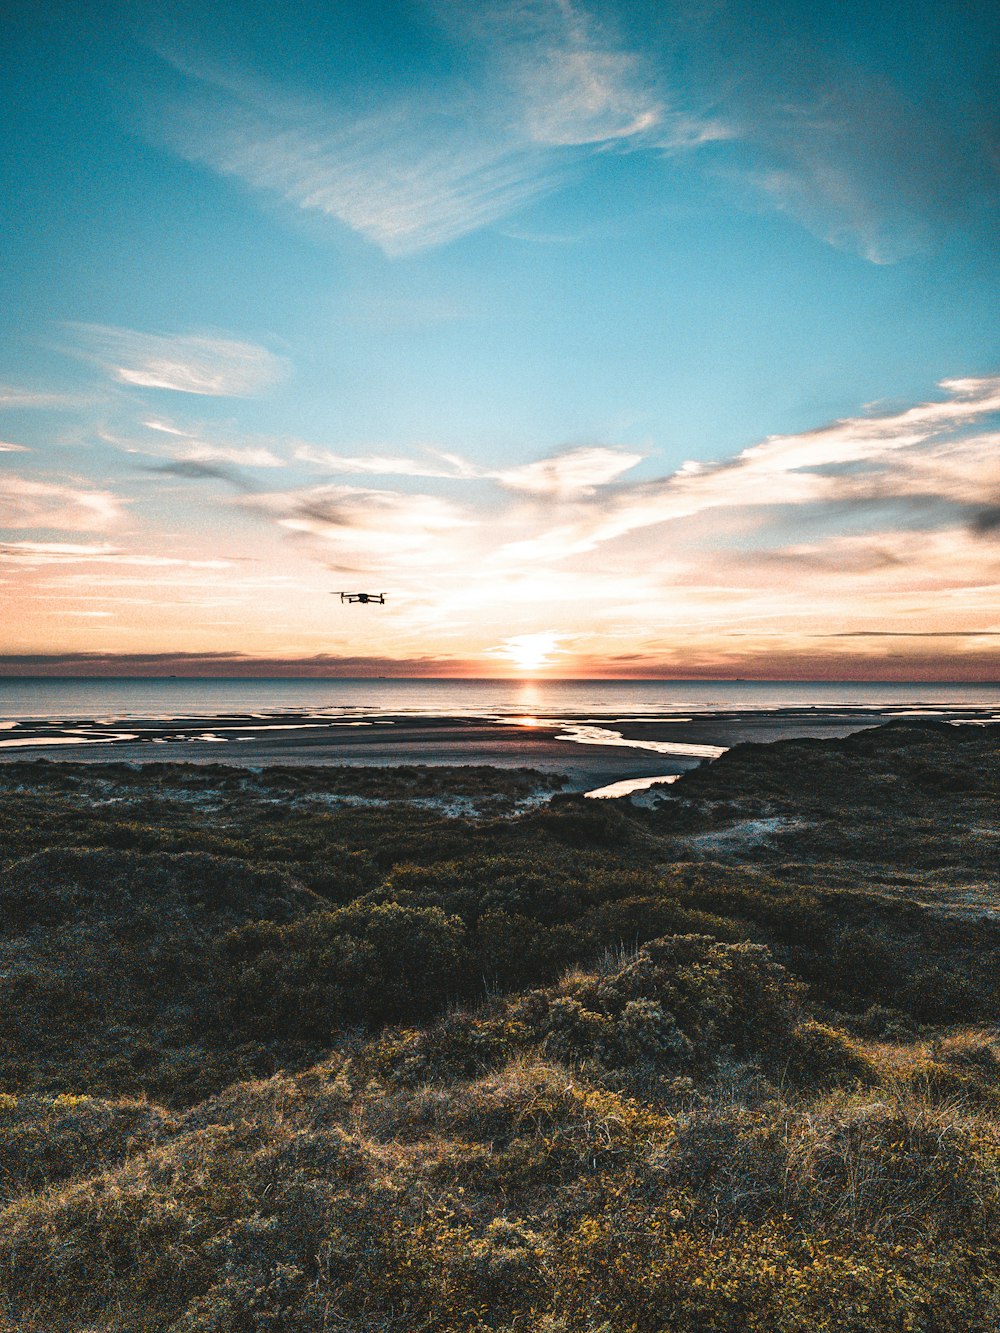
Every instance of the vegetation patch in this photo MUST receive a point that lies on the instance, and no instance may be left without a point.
(274, 1062)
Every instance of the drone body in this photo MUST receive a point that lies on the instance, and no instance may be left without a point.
(365, 598)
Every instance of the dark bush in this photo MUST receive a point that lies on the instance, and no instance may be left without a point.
(363, 964)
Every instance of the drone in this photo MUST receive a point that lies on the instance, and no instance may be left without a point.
(365, 598)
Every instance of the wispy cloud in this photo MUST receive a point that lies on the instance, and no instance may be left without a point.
(62, 553)
(424, 169)
(877, 528)
(394, 178)
(847, 162)
(165, 428)
(248, 456)
(853, 499)
(571, 81)
(13, 397)
(892, 457)
(185, 363)
(223, 663)
(831, 139)
(374, 527)
(189, 469)
(913, 634)
(410, 537)
(570, 471)
(27, 503)
(58, 551)
(7, 448)
(198, 445)
(542, 85)
(197, 452)
(198, 461)
(434, 464)
(573, 472)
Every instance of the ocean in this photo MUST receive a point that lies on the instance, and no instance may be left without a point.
(108, 699)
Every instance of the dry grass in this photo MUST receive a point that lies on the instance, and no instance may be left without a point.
(528, 1197)
(621, 1095)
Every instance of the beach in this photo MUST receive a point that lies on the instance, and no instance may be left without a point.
(590, 750)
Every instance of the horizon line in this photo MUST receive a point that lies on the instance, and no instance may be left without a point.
(524, 679)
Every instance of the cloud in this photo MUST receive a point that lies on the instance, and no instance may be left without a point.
(928, 462)
(191, 469)
(426, 166)
(919, 451)
(524, 93)
(183, 363)
(878, 510)
(855, 164)
(58, 551)
(311, 665)
(192, 455)
(827, 135)
(572, 472)
(913, 634)
(7, 448)
(366, 528)
(789, 660)
(787, 663)
(204, 462)
(830, 201)
(581, 469)
(246, 456)
(165, 428)
(389, 177)
(25, 503)
(357, 528)
(61, 553)
(572, 83)
(191, 446)
(436, 465)
(15, 397)
(874, 529)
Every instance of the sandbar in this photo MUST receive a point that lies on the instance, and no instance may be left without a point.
(590, 751)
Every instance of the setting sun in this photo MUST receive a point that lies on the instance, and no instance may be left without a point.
(529, 652)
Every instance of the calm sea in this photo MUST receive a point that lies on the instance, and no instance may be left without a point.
(37, 697)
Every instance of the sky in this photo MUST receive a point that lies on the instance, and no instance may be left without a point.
(608, 340)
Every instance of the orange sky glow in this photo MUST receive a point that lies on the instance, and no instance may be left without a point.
(858, 549)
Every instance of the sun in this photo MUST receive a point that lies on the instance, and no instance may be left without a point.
(528, 653)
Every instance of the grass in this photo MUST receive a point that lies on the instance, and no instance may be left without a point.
(273, 1064)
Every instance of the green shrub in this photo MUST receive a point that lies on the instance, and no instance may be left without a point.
(362, 964)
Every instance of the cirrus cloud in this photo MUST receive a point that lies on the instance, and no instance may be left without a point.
(27, 503)
(183, 363)
(417, 171)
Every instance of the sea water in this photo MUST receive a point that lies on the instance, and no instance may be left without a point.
(122, 698)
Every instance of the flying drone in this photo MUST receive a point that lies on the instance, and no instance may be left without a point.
(365, 598)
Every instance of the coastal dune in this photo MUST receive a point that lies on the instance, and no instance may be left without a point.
(394, 1047)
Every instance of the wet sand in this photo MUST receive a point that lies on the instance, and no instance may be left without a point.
(386, 741)
(590, 751)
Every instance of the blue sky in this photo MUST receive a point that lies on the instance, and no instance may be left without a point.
(495, 306)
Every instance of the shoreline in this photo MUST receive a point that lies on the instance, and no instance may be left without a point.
(591, 750)
(382, 742)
